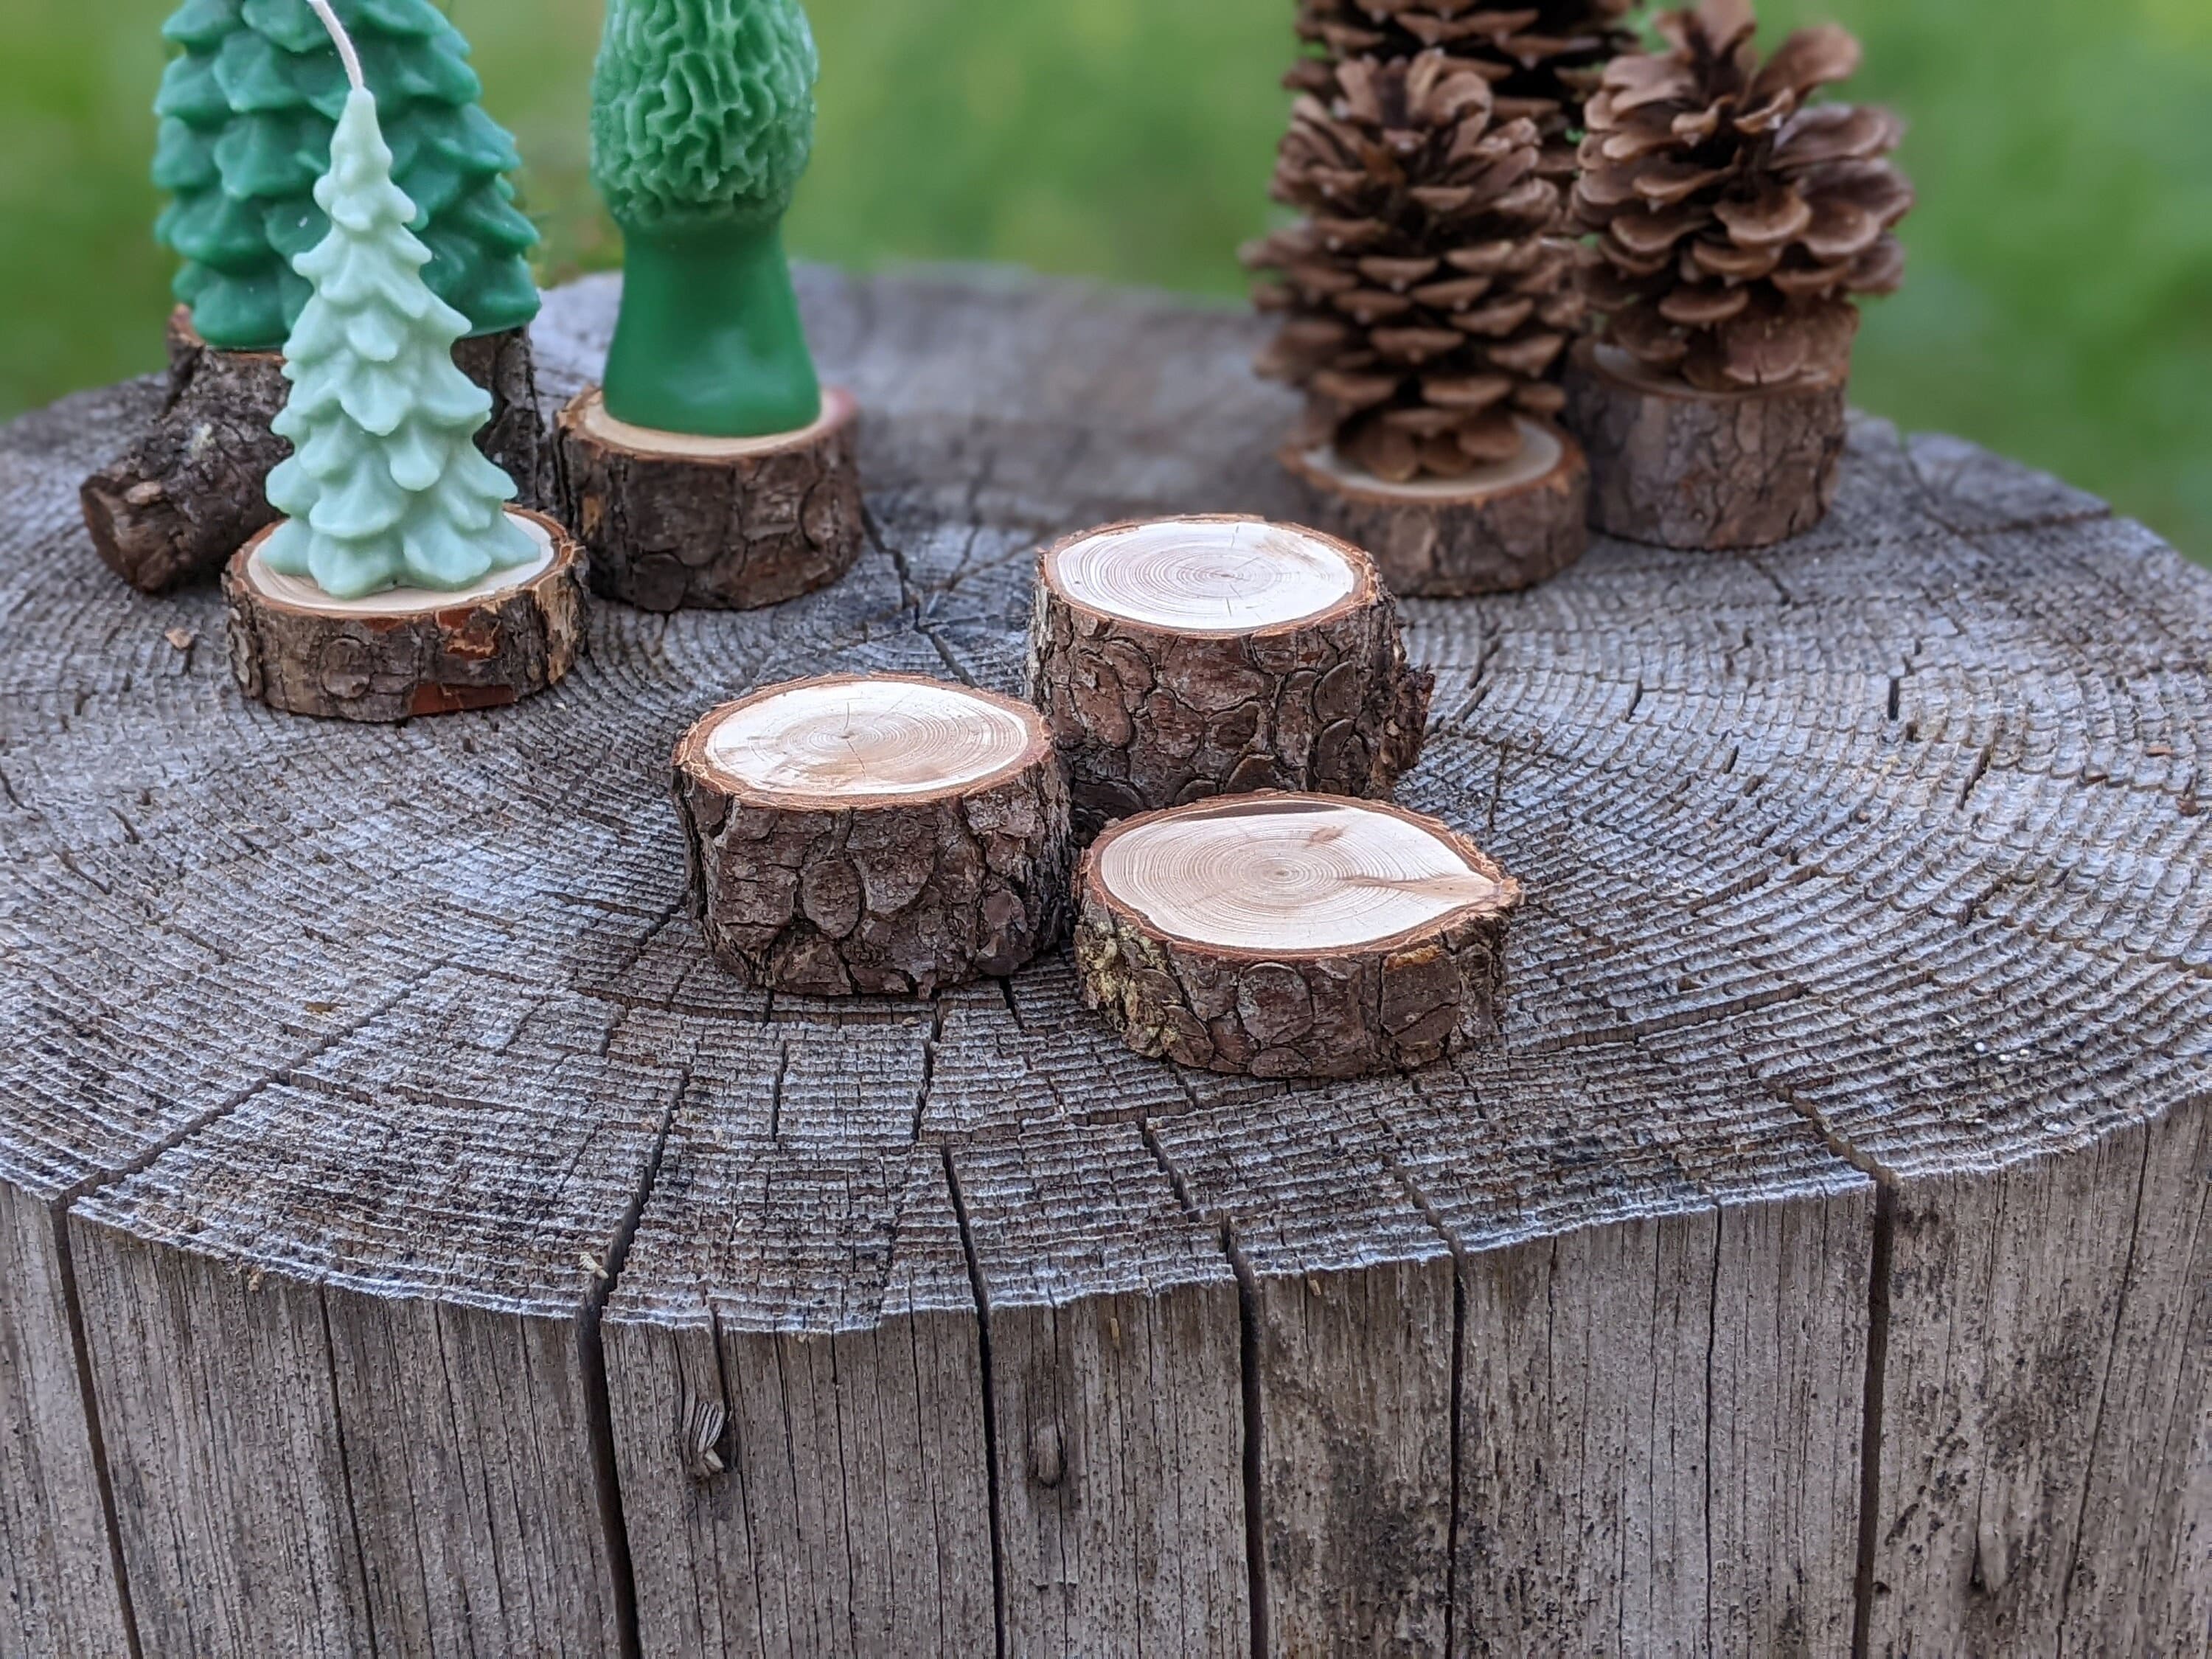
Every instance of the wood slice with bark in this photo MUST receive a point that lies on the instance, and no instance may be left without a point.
(396, 655)
(1281, 935)
(1503, 527)
(1679, 467)
(191, 488)
(874, 833)
(675, 521)
(1179, 659)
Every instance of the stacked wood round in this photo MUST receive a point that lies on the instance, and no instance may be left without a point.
(675, 521)
(396, 655)
(1284, 935)
(1684, 468)
(1180, 659)
(878, 834)
(1504, 528)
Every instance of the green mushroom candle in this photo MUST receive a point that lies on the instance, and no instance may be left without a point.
(702, 119)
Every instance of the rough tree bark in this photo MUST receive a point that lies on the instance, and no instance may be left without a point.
(1442, 539)
(1684, 468)
(726, 524)
(1201, 656)
(1821, 1251)
(191, 487)
(882, 834)
(396, 656)
(1283, 935)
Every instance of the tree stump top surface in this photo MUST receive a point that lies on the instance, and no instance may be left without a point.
(1874, 856)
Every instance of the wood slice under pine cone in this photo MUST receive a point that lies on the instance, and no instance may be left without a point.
(191, 488)
(1281, 935)
(874, 833)
(1690, 468)
(1180, 658)
(1505, 526)
(675, 521)
(411, 651)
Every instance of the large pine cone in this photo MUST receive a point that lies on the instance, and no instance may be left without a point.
(1428, 292)
(1737, 219)
(1542, 58)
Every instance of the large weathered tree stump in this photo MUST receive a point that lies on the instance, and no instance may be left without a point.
(878, 833)
(412, 1241)
(188, 487)
(1284, 935)
(1190, 657)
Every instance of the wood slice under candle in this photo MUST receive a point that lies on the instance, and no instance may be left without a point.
(878, 834)
(1506, 527)
(1284, 935)
(1180, 659)
(411, 651)
(675, 521)
(191, 488)
(1691, 469)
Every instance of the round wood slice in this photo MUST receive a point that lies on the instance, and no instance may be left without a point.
(727, 524)
(1684, 468)
(192, 486)
(874, 833)
(1179, 659)
(410, 651)
(1508, 527)
(1280, 935)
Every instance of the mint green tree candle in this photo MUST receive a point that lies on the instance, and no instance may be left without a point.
(247, 109)
(385, 489)
(703, 119)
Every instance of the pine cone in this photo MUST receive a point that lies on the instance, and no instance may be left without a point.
(1426, 294)
(1542, 58)
(1737, 219)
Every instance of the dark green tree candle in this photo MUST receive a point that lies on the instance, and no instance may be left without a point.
(703, 119)
(247, 111)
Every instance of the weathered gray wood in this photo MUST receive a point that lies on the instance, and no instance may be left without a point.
(1855, 1055)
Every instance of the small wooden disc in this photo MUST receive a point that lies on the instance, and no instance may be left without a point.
(874, 833)
(674, 520)
(1289, 935)
(410, 651)
(1506, 527)
(1179, 659)
(1681, 467)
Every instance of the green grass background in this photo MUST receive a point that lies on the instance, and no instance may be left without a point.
(2059, 306)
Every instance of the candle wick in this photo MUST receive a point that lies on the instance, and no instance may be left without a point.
(343, 41)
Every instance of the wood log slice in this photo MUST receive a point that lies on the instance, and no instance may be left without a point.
(192, 487)
(411, 651)
(1179, 659)
(675, 521)
(1678, 467)
(874, 833)
(1280, 935)
(1505, 527)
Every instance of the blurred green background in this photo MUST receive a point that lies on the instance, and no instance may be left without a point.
(2059, 306)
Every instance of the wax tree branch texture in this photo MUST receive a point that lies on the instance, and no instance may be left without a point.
(703, 121)
(247, 111)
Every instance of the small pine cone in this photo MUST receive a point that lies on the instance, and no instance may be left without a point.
(1427, 296)
(1542, 58)
(1735, 218)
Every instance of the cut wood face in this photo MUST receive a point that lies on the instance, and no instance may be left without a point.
(850, 739)
(1541, 452)
(1291, 877)
(1207, 576)
(838, 407)
(301, 595)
